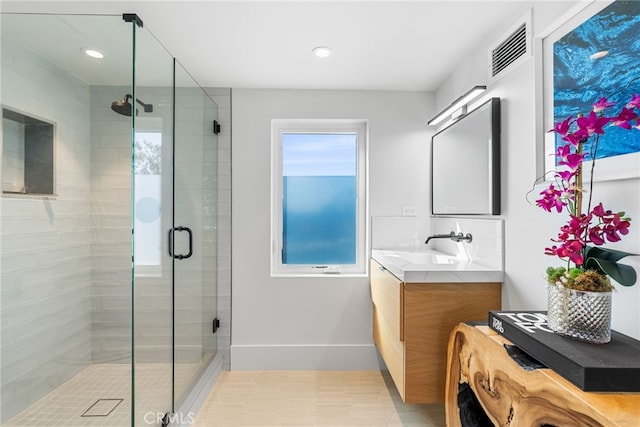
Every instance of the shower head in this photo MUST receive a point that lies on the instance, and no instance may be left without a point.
(124, 107)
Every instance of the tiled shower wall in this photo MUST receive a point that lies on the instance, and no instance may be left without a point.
(110, 229)
(66, 292)
(195, 285)
(223, 97)
(46, 241)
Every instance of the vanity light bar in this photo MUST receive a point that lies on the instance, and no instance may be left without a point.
(457, 104)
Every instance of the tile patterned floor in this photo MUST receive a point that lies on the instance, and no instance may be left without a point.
(312, 398)
(64, 406)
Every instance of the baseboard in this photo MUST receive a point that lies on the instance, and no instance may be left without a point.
(305, 357)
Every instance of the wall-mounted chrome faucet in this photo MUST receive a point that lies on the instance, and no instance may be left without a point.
(453, 236)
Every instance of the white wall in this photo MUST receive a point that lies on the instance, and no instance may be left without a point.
(314, 323)
(528, 228)
(325, 323)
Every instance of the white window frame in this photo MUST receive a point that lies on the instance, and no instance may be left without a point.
(360, 128)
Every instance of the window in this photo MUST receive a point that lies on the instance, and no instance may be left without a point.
(148, 215)
(318, 197)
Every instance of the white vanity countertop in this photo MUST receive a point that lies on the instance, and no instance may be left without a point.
(428, 266)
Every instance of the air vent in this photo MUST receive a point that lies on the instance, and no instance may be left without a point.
(510, 49)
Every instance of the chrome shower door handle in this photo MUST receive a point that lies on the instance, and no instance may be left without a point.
(180, 256)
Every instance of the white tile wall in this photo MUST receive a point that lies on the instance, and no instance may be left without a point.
(46, 263)
(410, 233)
(110, 228)
(487, 246)
(223, 98)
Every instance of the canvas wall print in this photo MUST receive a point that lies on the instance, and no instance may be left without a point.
(600, 58)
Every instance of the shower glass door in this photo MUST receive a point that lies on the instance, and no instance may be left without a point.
(194, 236)
(174, 203)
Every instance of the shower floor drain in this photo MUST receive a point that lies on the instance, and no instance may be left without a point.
(102, 408)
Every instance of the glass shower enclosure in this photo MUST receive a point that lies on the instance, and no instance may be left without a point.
(107, 225)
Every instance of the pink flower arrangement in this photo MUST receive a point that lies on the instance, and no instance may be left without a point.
(598, 225)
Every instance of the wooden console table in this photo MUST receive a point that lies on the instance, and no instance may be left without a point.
(509, 395)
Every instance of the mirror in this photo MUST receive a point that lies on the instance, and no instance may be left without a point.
(465, 164)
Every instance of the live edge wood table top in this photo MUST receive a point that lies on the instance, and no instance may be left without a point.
(512, 396)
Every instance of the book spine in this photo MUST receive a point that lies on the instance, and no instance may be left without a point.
(502, 327)
(496, 324)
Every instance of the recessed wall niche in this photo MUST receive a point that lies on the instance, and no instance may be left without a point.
(27, 154)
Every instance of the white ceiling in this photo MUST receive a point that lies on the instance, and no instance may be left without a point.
(385, 45)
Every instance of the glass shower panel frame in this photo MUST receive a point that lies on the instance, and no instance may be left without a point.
(152, 207)
(133, 330)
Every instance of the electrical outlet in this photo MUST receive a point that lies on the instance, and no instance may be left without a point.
(408, 210)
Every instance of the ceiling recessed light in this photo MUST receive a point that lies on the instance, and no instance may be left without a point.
(93, 53)
(322, 51)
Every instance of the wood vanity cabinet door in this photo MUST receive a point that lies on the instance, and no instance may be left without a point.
(431, 312)
(388, 328)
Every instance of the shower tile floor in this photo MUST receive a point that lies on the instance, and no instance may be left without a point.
(65, 406)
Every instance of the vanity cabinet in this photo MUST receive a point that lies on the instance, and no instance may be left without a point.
(412, 323)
